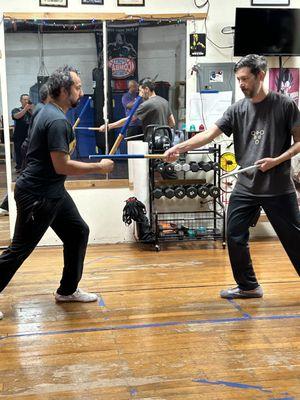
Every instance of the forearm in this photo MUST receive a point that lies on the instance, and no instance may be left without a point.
(19, 114)
(117, 124)
(171, 121)
(290, 153)
(72, 167)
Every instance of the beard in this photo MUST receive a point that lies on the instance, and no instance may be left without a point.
(249, 93)
(74, 103)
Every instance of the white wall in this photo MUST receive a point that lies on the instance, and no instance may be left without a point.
(22, 59)
(162, 51)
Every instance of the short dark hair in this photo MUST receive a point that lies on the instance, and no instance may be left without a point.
(255, 62)
(22, 95)
(43, 92)
(61, 78)
(147, 82)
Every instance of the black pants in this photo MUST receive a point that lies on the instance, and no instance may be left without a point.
(283, 214)
(4, 203)
(19, 156)
(34, 216)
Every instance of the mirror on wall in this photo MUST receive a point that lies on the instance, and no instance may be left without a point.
(4, 209)
(35, 48)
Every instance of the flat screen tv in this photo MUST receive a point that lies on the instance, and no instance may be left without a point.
(265, 31)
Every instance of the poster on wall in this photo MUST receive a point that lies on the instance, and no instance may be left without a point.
(289, 82)
(131, 2)
(197, 44)
(96, 2)
(53, 3)
(122, 49)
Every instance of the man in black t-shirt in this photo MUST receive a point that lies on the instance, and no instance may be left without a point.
(44, 99)
(41, 198)
(21, 116)
(263, 125)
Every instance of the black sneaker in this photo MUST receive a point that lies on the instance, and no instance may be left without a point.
(237, 293)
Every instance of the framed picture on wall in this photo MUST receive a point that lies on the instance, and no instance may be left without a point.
(97, 2)
(53, 3)
(270, 2)
(131, 2)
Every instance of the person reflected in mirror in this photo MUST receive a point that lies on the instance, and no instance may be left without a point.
(22, 117)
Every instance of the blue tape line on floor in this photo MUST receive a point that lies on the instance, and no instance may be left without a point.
(238, 385)
(133, 392)
(233, 384)
(153, 325)
(101, 302)
(239, 308)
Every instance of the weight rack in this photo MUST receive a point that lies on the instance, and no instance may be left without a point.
(187, 225)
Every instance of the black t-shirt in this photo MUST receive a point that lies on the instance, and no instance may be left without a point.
(51, 131)
(262, 130)
(154, 111)
(21, 125)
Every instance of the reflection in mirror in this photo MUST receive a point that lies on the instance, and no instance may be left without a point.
(35, 48)
(4, 209)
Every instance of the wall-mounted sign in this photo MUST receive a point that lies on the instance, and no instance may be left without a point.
(197, 44)
(122, 48)
(97, 2)
(53, 3)
(131, 2)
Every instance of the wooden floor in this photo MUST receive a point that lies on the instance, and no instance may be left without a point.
(159, 332)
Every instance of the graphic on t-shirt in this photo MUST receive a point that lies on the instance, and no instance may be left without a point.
(257, 135)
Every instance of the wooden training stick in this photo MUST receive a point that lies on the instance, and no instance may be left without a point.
(86, 127)
(81, 113)
(134, 137)
(116, 144)
(240, 171)
(124, 127)
(126, 156)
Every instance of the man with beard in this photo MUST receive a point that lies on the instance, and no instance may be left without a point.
(40, 195)
(263, 126)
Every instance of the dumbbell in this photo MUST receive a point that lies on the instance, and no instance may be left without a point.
(169, 192)
(214, 191)
(203, 191)
(169, 167)
(205, 166)
(194, 166)
(191, 191)
(186, 167)
(157, 193)
(177, 167)
(214, 165)
(179, 192)
(160, 167)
